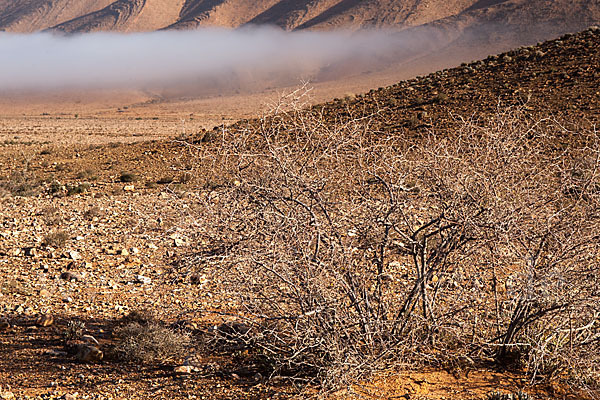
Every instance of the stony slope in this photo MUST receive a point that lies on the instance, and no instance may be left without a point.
(558, 79)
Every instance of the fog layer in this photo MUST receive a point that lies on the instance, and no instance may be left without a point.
(162, 59)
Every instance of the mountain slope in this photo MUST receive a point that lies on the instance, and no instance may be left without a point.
(148, 15)
(35, 15)
(127, 15)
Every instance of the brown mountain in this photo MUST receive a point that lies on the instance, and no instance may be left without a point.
(147, 15)
(35, 15)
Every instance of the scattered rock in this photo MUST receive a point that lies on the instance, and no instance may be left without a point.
(44, 320)
(4, 326)
(70, 396)
(7, 395)
(124, 252)
(143, 279)
(70, 276)
(198, 279)
(30, 252)
(44, 293)
(74, 255)
(178, 242)
(128, 188)
(183, 369)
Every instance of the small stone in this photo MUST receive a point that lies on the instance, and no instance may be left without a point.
(198, 279)
(70, 396)
(4, 325)
(44, 293)
(143, 279)
(30, 252)
(74, 255)
(7, 395)
(70, 276)
(124, 252)
(183, 369)
(44, 320)
(128, 188)
(178, 242)
(152, 246)
(67, 299)
(87, 353)
(135, 250)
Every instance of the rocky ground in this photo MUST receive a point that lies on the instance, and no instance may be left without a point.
(92, 232)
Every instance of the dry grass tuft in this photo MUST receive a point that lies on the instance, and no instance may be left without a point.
(144, 340)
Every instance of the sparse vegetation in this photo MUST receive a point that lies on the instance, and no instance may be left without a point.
(77, 189)
(93, 212)
(74, 330)
(143, 339)
(508, 396)
(56, 239)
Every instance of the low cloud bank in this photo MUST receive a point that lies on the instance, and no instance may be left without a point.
(207, 57)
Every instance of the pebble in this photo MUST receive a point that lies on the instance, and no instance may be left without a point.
(70, 276)
(74, 255)
(183, 369)
(129, 188)
(30, 252)
(7, 395)
(4, 325)
(143, 279)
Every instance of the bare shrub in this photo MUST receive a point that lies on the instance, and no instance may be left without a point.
(56, 239)
(347, 249)
(142, 339)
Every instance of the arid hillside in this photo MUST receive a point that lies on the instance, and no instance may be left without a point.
(36, 15)
(147, 15)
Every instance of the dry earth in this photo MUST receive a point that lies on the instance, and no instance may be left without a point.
(94, 221)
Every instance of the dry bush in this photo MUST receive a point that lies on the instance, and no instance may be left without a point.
(57, 239)
(347, 249)
(21, 182)
(144, 340)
